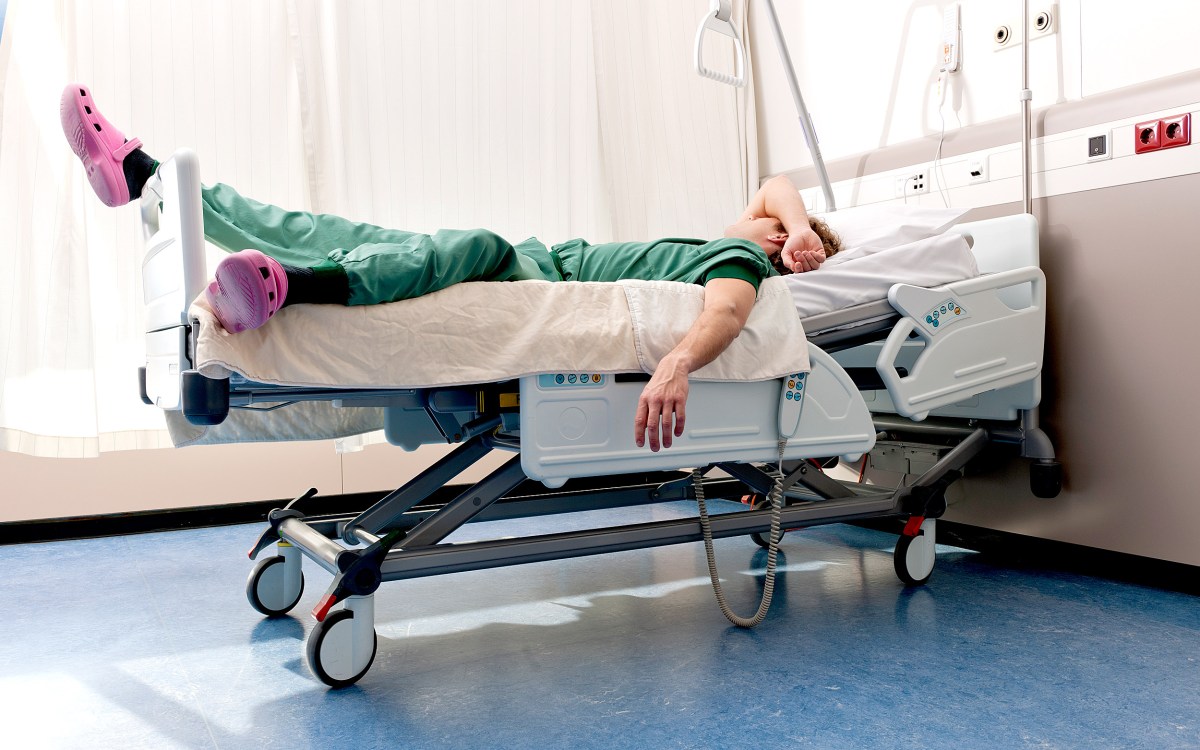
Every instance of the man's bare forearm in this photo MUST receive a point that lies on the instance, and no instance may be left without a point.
(779, 198)
(662, 407)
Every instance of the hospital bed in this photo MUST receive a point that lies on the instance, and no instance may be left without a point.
(951, 368)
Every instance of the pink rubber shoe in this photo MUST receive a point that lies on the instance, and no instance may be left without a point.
(249, 288)
(101, 147)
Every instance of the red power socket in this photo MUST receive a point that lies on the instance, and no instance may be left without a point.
(1175, 131)
(1147, 136)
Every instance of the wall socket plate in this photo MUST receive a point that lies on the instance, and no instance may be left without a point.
(977, 171)
(912, 184)
(1099, 146)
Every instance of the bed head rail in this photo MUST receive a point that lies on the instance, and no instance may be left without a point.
(174, 272)
(1005, 244)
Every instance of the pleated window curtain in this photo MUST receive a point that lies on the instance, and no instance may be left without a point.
(554, 118)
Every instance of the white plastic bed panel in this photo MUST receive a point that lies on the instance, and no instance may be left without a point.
(580, 429)
(986, 362)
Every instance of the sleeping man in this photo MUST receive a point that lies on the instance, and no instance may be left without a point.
(303, 258)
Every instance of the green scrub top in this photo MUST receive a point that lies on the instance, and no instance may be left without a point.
(673, 259)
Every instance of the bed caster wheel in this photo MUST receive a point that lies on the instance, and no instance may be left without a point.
(915, 555)
(333, 652)
(269, 589)
(764, 540)
(1045, 478)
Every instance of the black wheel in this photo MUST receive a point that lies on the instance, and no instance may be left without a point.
(1045, 478)
(759, 538)
(330, 650)
(266, 589)
(764, 540)
(913, 559)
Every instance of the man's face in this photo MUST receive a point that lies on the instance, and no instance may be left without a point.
(766, 232)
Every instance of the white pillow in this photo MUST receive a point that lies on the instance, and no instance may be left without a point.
(929, 262)
(868, 229)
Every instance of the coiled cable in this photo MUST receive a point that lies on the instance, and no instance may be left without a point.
(776, 499)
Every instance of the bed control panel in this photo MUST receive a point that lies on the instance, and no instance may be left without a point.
(571, 380)
(943, 314)
(791, 398)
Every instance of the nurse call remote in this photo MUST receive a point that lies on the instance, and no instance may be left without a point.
(790, 400)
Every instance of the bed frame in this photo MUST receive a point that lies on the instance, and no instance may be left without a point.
(940, 387)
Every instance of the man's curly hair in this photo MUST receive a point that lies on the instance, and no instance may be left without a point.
(829, 238)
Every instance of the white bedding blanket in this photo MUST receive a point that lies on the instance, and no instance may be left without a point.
(477, 333)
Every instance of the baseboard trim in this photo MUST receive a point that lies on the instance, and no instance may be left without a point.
(1017, 551)
(1002, 548)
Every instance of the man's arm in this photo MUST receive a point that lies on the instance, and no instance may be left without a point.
(779, 199)
(727, 305)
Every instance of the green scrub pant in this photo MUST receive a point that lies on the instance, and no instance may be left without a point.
(381, 265)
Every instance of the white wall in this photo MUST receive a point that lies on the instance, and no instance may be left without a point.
(873, 84)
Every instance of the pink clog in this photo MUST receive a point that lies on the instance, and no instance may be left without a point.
(101, 147)
(249, 288)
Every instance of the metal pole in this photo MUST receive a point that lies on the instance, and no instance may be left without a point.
(1027, 130)
(810, 135)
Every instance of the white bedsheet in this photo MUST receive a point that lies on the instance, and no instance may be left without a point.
(485, 332)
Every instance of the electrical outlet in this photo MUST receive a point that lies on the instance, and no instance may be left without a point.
(913, 184)
(1147, 136)
(1175, 131)
(977, 171)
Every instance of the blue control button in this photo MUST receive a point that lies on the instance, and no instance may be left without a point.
(789, 395)
(799, 386)
(928, 318)
(571, 378)
(936, 315)
(559, 379)
(583, 378)
(935, 324)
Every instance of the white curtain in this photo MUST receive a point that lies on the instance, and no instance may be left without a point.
(555, 118)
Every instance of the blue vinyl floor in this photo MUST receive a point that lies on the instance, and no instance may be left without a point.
(147, 641)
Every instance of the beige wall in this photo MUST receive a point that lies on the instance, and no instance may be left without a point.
(130, 481)
(1120, 400)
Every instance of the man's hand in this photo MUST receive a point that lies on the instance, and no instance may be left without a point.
(661, 408)
(803, 252)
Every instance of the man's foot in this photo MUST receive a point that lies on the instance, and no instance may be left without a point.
(103, 149)
(248, 290)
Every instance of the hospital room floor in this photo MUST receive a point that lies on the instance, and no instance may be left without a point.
(147, 641)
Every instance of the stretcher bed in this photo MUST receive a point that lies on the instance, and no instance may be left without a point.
(956, 363)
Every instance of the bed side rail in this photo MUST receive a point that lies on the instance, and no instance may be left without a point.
(974, 340)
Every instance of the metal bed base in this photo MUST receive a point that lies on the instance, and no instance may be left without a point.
(403, 536)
